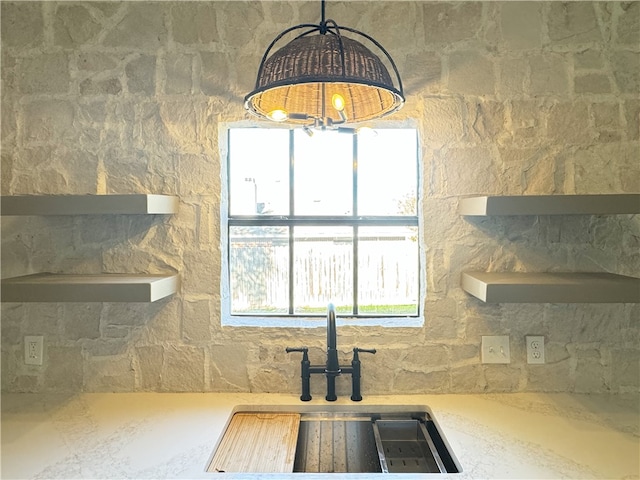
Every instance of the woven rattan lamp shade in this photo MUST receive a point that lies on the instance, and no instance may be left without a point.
(302, 77)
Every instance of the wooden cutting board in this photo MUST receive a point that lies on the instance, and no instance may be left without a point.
(258, 443)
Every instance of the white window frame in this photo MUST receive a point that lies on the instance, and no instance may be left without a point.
(299, 321)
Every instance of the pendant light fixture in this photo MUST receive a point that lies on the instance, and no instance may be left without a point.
(322, 79)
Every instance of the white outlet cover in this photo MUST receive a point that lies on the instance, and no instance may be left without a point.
(535, 349)
(33, 350)
(495, 349)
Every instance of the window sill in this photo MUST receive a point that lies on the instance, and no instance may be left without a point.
(315, 322)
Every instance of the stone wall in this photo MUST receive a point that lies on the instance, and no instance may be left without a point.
(132, 97)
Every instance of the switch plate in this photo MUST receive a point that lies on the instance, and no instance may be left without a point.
(535, 349)
(33, 347)
(495, 349)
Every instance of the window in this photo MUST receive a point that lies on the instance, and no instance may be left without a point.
(311, 220)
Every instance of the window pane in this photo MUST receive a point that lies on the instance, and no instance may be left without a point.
(388, 271)
(387, 172)
(323, 269)
(258, 268)
(258, 171)
(323, 175)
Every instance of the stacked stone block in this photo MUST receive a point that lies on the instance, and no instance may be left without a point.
(134, 97)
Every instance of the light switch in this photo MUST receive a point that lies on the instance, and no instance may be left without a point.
(495, 349)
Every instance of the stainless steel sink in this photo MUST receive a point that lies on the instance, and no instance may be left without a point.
(366, 439)
(336, 442)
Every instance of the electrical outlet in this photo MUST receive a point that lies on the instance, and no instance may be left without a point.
(495, 349)
(33, 347)
(535, 348)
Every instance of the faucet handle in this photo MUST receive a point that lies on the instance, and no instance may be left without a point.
(361, 350)
(364, 350)
(355, 372)
(299, 349)
(305, 372)
(303, 350)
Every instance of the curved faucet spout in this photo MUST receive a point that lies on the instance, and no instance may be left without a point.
(331, 326)
(333, 366)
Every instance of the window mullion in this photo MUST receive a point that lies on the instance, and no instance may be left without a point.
(291, 213)
(323, 220)
(291, 272)
(355, 227)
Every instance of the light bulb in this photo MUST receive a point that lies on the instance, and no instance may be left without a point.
(278, 115)
(367, 131)
(338, 102)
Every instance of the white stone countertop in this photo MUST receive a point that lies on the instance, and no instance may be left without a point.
(154, 435)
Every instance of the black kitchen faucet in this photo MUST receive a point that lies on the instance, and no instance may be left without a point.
(332, 369)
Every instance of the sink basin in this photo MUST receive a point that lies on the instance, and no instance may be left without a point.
(336, 443)
(338, 439)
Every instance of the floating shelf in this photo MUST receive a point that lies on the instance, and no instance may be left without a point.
(109, 287)
(550, 205)
(144, 204)
(551, 287)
